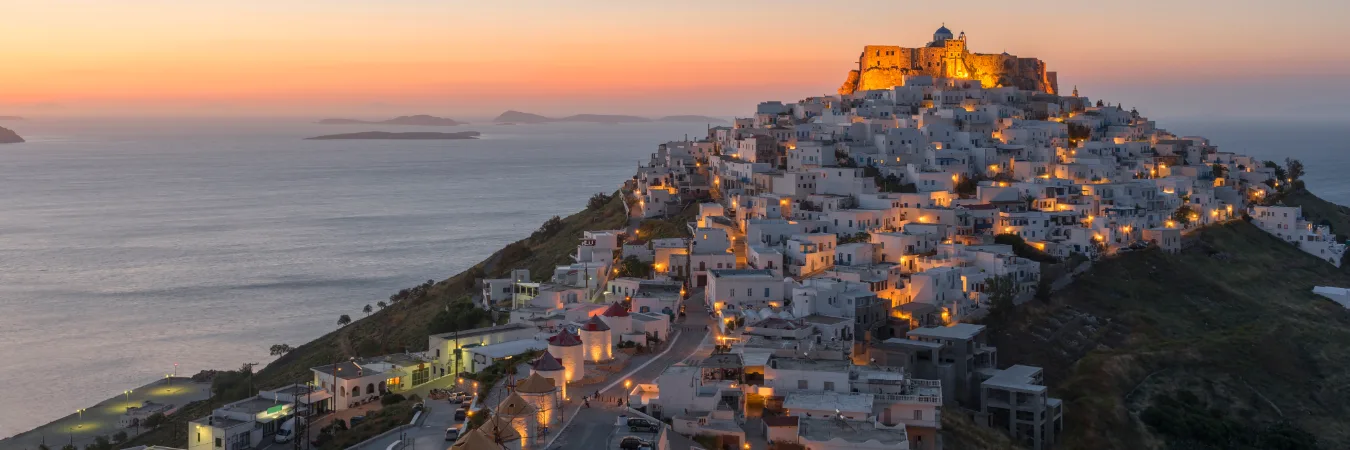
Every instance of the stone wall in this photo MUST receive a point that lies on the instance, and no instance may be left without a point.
(885, 66)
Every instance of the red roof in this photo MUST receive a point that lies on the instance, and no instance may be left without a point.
(547, 362)
(616, 310)
(595, 324)
(564, 338)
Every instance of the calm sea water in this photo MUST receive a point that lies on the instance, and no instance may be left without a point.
(128, 246)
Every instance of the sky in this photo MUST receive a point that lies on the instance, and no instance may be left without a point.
(466, 58)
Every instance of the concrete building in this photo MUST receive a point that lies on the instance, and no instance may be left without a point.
(1014, 400)
(445, 348)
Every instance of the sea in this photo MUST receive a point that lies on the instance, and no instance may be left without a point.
(129, 247)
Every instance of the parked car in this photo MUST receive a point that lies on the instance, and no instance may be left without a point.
(452, 434)
(461, 414)
(632, 443)
(419, 406)
(637, 424)
(355, 420)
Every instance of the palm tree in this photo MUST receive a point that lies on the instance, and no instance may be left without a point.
(381, 304)
(343, 320)
(366, 310)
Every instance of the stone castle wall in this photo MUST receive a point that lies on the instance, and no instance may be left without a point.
(885, 66)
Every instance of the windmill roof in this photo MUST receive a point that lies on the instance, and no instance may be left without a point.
(536, 384)
(616, 310)
(595, 324)
(564, 338)
(547, 362)
(514, 405)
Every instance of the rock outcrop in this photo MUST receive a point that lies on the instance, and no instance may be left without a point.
(8, 136)
(885, 66)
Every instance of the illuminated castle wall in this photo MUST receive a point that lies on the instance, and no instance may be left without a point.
(885, 66)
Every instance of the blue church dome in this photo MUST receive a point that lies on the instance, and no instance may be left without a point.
(943, 30)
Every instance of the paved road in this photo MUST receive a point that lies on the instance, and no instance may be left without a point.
(592, 428)
(428, 434)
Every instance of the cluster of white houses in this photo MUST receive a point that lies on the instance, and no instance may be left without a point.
(841, 243)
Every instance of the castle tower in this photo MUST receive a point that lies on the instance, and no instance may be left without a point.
(549, 367)
(620, 323)
(567, 347)
(1075, 90)
(598, 340)
(541, 394)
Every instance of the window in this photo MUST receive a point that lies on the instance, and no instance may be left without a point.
(829, 385)
(801, 384)
(918, 414)
(766, 290)
(219, 443)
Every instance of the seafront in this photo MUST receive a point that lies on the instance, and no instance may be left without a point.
(81, 427)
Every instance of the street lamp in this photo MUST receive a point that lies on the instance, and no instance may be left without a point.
(128, 394)
(80, 412)
(627, 393)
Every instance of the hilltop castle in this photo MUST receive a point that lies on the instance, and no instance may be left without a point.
(885, 66)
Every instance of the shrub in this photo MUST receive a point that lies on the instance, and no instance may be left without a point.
(391, 399)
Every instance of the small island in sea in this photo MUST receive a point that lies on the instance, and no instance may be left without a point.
(689, 118)
(417, 120)
(385, 135)
(8, 136)
(528, 118)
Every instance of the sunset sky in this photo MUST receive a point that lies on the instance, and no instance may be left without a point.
(473, 58)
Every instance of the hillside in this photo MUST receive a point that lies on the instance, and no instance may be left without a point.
(524, 117)
(8, 136)
(406, 322)
(417, 120)
(1222, 346)
(385, 135)
(692, 119)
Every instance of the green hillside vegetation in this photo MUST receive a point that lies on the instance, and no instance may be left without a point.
(1222, 346)
(410, 315)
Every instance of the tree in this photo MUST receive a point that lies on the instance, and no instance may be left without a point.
(1001, 291)
(552, 226)
(102, 443)
(119, 437)
(69, 447)
(861, 236)
(633, 267)
(343, 320)
(381, 304)
(1183, 215)
(597, 201)
(1279, 171)
(367, 310)
(154, 420)
(1293, 168)
(280, 349)
(1220, 170)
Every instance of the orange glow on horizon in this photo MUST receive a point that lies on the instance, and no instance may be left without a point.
(81, 54)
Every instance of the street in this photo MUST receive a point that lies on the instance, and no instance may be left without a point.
(591, 428)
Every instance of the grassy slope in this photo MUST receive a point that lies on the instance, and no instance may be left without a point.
(404, 324)
(1231, 320)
